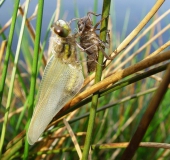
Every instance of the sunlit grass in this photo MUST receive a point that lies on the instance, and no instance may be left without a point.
(123, 99)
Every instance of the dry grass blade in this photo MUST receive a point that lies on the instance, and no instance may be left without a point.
(19, 110)
(164, 155)
(34, 14)
(108, 146)
(56, 18)
(125, 144)
(68, 135)
(140, 37)
(10, 20)
(2, 49)
(141, 48)
(14, 141)
(164, 46)
(32, 33)
(140, 26)
(119, 75)
(73, 137)
(58, 4)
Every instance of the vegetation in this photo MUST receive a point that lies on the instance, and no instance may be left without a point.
(121, 112)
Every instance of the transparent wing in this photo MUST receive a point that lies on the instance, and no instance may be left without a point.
(59, 85)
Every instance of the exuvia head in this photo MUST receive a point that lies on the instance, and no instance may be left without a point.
(85, 23)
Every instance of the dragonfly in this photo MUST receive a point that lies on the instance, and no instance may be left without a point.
(62, 80)
(90, 41)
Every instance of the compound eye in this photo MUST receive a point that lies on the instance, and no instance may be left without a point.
(60, 31)
(61, 28)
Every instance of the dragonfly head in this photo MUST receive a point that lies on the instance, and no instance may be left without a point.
(61, 28)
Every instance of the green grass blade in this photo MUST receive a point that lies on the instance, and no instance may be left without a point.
(18, 71)
(11, 33)
(76, 12)
(13, 78)
(34, 68)
(105, 13)
(95, 10)
(125, 25)
(21, 116)
(1, 2)
(5, 69)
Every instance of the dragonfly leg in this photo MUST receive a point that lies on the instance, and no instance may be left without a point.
(93, 14)
(84, 49)
(96, 25)
(106, 56)
(74, 19)
(101, 42)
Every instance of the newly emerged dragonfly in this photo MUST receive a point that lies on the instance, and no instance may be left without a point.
(90, 41)
(61, 81)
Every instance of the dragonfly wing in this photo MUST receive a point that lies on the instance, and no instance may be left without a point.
(59, 85)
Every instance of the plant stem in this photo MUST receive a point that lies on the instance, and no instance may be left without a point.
(18, 70)
(164, 56)
(103, 28)
(140, 26)
(11, 33)
(13, 78)
(34, 68)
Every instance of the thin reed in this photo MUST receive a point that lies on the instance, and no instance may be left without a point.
(121, 113)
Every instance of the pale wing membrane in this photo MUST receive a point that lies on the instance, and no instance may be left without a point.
(42, 86)
(59, 85)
